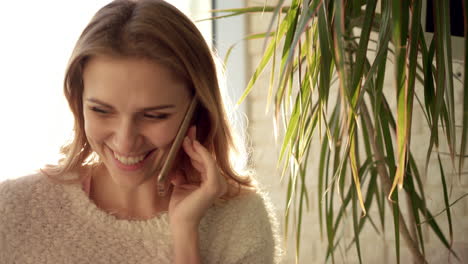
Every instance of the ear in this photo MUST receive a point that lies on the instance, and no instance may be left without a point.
(192, 132)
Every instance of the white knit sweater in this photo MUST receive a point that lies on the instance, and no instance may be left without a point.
(45, 222)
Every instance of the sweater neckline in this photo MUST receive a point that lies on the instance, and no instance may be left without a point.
(84, 207)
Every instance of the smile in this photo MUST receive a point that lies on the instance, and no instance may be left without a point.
(129, 160)
(131, 163)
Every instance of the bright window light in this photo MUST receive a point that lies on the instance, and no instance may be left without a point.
(35, 45)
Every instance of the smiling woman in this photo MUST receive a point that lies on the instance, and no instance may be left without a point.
(136, 69)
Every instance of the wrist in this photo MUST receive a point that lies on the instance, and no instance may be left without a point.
(184, 233)
(186, 245)
(179, 225)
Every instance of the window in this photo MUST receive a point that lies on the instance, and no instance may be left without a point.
(37, 38)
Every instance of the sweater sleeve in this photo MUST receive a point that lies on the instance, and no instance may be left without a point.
(246, 232)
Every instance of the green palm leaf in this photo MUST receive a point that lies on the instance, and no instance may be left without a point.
(329, 61)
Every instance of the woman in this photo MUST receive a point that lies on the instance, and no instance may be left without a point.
(134, 72)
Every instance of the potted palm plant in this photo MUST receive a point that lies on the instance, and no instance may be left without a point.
(329, 60)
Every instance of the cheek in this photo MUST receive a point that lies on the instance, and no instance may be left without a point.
(162, 135)
(95, 130)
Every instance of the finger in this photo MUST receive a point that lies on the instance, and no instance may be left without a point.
(206, 157)
(188, 187)
(192, 133)
(214, 179)
(208, 162)
(189, 149)
(198, 166)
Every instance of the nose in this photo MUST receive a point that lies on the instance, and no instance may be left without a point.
(126, 137)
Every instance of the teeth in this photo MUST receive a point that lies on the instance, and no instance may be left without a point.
(129, 160)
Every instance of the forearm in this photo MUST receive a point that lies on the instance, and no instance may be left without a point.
(186, 246)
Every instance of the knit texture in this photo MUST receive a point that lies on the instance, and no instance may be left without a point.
(45, 222)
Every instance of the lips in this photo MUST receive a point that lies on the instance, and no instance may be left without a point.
(131, 163)
(129, 160)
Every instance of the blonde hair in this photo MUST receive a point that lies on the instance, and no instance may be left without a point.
(155, 30)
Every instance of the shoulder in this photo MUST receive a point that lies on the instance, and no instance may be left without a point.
(253, 212)
(20, 188)
(247, 226)
(249, 206)
(19, 196)
(38, 184)
(17, 202)
(31, 208)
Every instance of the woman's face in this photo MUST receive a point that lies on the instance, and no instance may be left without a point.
(132, 107)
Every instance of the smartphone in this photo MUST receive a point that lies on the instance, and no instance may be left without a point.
(176, 146)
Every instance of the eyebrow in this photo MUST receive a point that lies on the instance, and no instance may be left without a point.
(151, 108)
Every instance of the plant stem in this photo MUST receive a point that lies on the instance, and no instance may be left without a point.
(385, 179)
(412, 220)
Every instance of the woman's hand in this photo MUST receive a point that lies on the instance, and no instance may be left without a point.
(189, 202)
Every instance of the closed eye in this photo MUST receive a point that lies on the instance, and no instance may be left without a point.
(146, 116)
(156, 117)
(98, 110)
